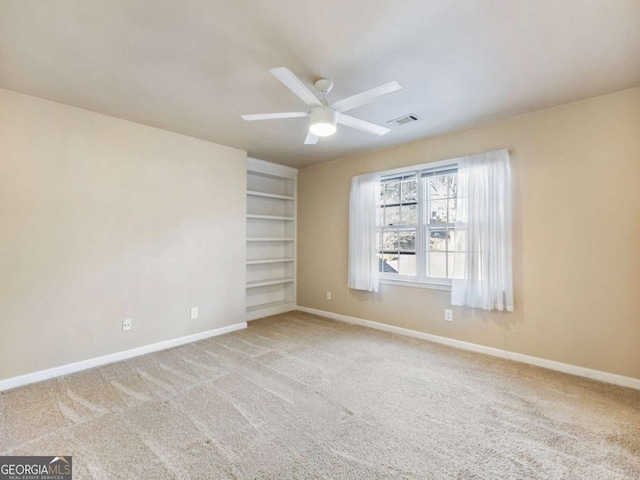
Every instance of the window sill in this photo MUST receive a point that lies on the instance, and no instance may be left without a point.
(410, 283)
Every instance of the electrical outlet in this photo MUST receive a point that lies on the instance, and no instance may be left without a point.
(126, 324)
(448, 315)
(194, 313)
(328, 295)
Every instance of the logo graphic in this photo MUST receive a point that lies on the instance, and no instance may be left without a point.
(36, 468)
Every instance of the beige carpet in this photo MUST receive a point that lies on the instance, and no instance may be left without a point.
(298, 396)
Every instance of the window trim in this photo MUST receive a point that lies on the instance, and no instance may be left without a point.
(451, 162)
(434, 283)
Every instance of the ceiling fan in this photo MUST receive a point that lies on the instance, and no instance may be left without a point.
(324, 116)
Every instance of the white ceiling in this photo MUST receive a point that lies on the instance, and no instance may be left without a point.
(194, 66)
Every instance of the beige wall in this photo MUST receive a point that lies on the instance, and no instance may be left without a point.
(576, 172)
(103, 219)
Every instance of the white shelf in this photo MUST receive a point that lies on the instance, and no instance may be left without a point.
(268, 309)
(263, 306)
(270, 217)
(269, 260)
(270, 281)
(269, 195)
(269, 239)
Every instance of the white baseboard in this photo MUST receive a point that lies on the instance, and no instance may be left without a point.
(496, 352)
(14, 382)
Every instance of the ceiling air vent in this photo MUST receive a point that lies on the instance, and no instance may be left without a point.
(412, 117)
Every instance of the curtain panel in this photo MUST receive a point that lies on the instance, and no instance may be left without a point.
(363, 239)
(483, 232)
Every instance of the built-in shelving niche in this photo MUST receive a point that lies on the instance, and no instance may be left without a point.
(271, 238)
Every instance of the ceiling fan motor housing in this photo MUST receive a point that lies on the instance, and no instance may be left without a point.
(324, 85)
(323, 121)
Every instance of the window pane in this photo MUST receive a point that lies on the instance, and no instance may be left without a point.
(438, 187)
(392, 216)
(410, 190)
(460, 243)
(392, 193)
(438, 240)
(451, 237)
(390, 241)
(437, 264)
(438, 211)
(456, 265)
(452, 210)
(389, 263)
(453, 185)
(409, 214)
(407, 241)
(407, 264)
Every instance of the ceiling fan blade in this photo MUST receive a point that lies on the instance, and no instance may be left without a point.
(272, 116)
(311, 139)
(294, 84)
(353, 122)
(367, 96)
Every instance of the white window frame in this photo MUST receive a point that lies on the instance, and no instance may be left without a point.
(420, 280)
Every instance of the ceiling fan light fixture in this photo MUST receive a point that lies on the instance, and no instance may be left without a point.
(323, 121)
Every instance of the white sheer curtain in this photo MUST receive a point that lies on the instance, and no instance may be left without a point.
(483, 231)
(363, 240)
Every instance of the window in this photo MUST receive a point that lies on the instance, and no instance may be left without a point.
(444, 225)
(417, 234)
